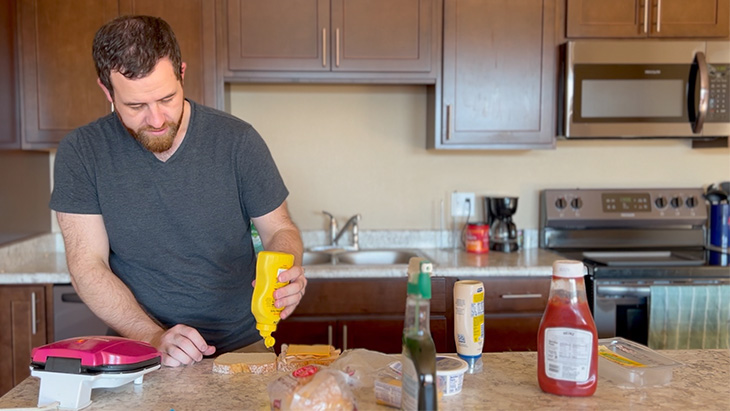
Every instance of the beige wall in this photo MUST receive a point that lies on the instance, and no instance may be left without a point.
(361, 149)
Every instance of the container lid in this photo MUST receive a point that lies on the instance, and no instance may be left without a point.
(450, 366)
(568, 269)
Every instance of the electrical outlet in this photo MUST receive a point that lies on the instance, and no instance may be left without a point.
(462, 204)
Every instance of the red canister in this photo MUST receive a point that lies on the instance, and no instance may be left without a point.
(476, 238)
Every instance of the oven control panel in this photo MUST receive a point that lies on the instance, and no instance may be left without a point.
(622, 207)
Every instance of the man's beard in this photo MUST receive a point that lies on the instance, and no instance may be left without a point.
(160, 143)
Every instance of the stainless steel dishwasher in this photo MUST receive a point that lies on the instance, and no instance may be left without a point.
(71, 317)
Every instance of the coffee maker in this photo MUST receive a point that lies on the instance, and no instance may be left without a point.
(502, 231)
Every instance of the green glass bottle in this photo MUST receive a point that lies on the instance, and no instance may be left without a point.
(419, 352)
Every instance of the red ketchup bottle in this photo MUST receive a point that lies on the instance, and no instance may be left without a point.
(567, 342)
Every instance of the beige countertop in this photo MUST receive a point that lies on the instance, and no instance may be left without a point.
(42, 260)
(509, 381)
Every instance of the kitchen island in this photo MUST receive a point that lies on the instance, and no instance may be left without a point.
(508, 381)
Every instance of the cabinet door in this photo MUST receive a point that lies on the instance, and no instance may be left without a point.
(696, 18)
(647, 18)
(512, 332)
(289, 35)
(193, 22)
(381, 35)
(322, 36)
(8, 95)
(499, 74)
(607, 18)
(23, 321)
(57, 76)
(306, 330)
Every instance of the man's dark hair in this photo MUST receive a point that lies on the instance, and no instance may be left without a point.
(132, 46)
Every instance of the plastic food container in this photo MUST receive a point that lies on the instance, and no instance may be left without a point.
(631, 365)
(450, 373)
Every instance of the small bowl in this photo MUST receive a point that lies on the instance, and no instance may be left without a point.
(450, 374)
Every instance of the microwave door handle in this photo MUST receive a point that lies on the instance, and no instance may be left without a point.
(701, 63)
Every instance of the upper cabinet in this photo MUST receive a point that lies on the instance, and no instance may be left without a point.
(499, 75)
(647, 18)
(57, 78)
(8, 108)
(193, 22)
(333, 39)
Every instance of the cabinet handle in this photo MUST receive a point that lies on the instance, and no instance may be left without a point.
(33, 326)
(344, 337)
(646, 16)
(329, 334)
(658, 16)
(324, 47)
(337, 47)
(448, 122)
(518, 296)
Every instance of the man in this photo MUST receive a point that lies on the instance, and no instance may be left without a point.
(155, 202)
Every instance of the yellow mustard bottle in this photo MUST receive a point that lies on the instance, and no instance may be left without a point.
(268, 267)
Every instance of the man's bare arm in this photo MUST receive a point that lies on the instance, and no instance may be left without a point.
(87, 255)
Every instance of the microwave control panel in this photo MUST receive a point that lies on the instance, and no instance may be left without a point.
(620, 207)
(718, 110)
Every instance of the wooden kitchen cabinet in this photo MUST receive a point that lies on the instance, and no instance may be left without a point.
(647, 18)
(58, 86)
(9, 137)
(513, 308)
(24, 310)
(499, 75)
(364, 313)
(330, 39)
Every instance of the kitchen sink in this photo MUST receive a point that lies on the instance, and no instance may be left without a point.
(360, 257)
(316, 258)
(370, 257)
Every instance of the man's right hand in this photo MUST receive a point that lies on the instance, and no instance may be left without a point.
(181, 345)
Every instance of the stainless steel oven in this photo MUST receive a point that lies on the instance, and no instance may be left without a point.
(632, 241)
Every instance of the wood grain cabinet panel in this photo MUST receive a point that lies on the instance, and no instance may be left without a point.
(499, 75)
(328, 36)
(513, 308)
(647, 18)
(9, 137)
(57, 76)
(24, 326)
(58, 86)
(364, 313)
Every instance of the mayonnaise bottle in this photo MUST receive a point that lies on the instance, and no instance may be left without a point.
(469, 322)
(268, 267)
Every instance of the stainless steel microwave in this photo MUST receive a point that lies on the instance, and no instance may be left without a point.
(645, 89)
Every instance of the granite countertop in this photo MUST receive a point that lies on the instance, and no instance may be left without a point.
(42, 260)
(508, 381)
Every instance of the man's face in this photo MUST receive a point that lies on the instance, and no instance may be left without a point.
(151, 108)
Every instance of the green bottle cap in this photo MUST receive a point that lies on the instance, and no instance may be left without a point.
(419, 282)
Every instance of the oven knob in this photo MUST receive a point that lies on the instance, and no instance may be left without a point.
(661, 202)
(560, 203)
(576, 203)
(676, 202)
(691, 202)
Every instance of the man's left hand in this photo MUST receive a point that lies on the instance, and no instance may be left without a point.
(291, 294)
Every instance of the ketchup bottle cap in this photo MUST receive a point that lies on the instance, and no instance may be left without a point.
(568, 269)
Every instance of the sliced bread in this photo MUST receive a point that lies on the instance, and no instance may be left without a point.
(245, 362)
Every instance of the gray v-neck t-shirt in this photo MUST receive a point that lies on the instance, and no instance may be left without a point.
(178, 230)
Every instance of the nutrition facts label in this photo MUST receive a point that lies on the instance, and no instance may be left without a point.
(568, 353)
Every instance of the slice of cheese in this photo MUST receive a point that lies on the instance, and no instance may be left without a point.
(316, 350)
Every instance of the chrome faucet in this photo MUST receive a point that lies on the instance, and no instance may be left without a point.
(353, 221)
(335, 235)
